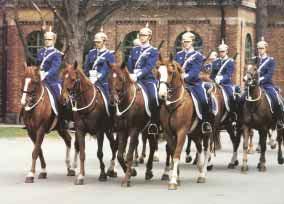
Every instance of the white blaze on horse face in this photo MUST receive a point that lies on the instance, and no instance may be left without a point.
(163, 90)
(26, 86)
(114, 75)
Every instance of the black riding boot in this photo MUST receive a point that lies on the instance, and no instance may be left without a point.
(206, 126)
(153, 127)
(280, 118)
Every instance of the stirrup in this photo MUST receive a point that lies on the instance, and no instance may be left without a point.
(153, 129)
(203, 130)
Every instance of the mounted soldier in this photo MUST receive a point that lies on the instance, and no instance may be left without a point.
(142, 60)
(266, 66)
(49, 60)
(222, 69)
(191, 62)
(97, 67)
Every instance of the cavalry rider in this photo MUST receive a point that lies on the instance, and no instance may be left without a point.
(142, 60)
(49, 59)
(97, 63)
(222, 70)
(266, 66)
(191, 62)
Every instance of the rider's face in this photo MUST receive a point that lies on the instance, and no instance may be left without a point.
(261, 51)
(187, 44)
(144, 38)
(222, 54)
(99, 44)
(49, 42)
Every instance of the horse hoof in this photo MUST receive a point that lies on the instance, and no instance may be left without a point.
(125, 184)
(201, 180)
(111, 173)
(135, 163)
(42, 175)
(156, 159)
(71, 172)
(178, 182)
(281, 160)
(250, 151)
(133, 172)
(103, 177)
(194, 162)
(188, 159)
(209, 168)
(141, 160)
(262, 168)
(79, 182)
(244, 169)
(231, 166)
(236, 163)
(258, 165)
(273, 146)
(29, 180)
(165, 177)
(149, 175)
(172, 186)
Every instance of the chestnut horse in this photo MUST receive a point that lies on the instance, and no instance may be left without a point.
(90, 116)
(178, 118)
(131, 118)
(39, 119)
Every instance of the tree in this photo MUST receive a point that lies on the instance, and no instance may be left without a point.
(77, 20)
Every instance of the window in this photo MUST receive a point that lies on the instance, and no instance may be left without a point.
(127, 44)
(248, 49)
(35, 42)
(198, 43)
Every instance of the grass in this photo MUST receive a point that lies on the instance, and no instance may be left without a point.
(6, 132)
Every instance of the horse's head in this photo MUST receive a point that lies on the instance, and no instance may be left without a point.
(119, 81)
(169, 75)
(72, 79)
(30, 85)
(252, 76)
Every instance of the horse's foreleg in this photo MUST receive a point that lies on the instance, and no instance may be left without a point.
(279, 140)
(133, 133)
(80, 137)
(245, 149)
(37, 138)
(122, 142)
(272, 141)
(263, 137)
(165, 176)
(100, 140)
(113, 145)
(67, 139)
(76, 154)
(202, 175)
(143, 154)
(235, 142)
(188, 158)
(175, 180)
(152, 145)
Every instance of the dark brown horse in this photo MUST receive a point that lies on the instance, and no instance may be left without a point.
(90, 116)
(40, 119)
(178, 118)
(255, 114)
(132, 119)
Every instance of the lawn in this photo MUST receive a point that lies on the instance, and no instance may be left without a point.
(18, 132)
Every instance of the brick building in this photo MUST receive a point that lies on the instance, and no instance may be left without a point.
(168, 20)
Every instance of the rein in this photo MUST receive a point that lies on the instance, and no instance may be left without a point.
(74, 104)
(250, 99)
(29, 108)
(120, 113)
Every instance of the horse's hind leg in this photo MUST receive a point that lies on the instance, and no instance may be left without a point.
(250, 146)
(279, 140)
(122, 142)
(67, 139)
(152, 144)
(188, 158)
(272, 141)
(202, 176)
(263, 137)
(37, 138)
(235, 139)
(165, 176)
(113, 145)
(246, 133)
(133, 133)
(143, 154)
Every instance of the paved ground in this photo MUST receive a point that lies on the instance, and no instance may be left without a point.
(223, 185)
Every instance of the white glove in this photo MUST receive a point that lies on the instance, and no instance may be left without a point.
(43, 74)
(93, 79)
(184, 75)
(93, 76)
(218, 79)
(133, 77)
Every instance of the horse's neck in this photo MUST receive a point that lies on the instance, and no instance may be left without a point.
(130, 93)
(178, 89)
(86, 93)
(254, 92)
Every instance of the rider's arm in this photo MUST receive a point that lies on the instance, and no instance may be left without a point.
(267, 77)
(55, 65)
(151, 63)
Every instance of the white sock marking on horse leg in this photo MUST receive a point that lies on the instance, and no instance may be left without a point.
(205, 164)
(43, 171)
(30, 174)
(112, 165)
(199, 162)
(23, 99)
(234, 157)
(80, 176)
(175, 172)
(75, 160)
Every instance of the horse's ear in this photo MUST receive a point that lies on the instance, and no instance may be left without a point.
(171, 57)
(75, 65)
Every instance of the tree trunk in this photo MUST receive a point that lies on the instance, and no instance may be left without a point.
(261, 18)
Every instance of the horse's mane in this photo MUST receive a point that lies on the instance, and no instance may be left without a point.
(83, 76)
